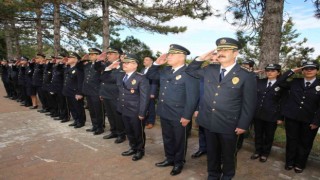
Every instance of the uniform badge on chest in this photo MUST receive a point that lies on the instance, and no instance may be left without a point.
(235, 80)
(133, 82)
(74, 71)
(132, 91)
(317, 88)
(276, 88)
(178, 77)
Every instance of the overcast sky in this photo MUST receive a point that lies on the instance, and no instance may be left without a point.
(200, 36)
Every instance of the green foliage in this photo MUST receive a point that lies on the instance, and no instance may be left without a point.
(292, 51)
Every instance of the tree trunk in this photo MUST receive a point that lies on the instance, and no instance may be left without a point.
(106, 31)
(15, 39)
(56, 23)
(39, 30)
(8, 39)
(271, 33)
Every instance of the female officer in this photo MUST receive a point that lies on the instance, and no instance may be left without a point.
(267, 115)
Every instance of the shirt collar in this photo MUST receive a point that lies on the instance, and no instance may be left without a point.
(177, 68)
(309, 81)
(228, 69)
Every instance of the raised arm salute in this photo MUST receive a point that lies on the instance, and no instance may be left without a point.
(227, 108)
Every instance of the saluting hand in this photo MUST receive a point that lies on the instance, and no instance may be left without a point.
(184, 122)
(78, 97)
(207, 55)
(258, 71)
(162, 59)
(239, 131)
(102, 56)
(113, 65)
(298, 69)
(279, 121)
(85, 57)
(313, 126)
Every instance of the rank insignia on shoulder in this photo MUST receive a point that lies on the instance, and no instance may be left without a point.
(132, 91)
(74, 71)
(317, 88)
(246, 69)
(235, 80)
(133, 82)
(178, 77)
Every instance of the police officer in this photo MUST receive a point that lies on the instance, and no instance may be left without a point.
(37, 80)
(267, 115)
(30, 89)
(72, 90)
(178, 98)
(109, 92)
(4, 77)
(13, 78)
(56, 86)
(132, 104)
(90, 89)
(26, 100)
(227, 108)
(201, 135)
(154, 85)
(47, 77)
(302, 115)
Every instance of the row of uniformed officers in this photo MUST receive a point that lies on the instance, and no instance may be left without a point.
(231, 98)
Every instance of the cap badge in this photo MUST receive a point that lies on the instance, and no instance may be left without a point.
(178, 77)
(133, 82)
(223, 41)
(235, 80)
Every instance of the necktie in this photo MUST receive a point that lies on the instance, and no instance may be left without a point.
(269, 85)
(307, 84)
(222, 74)
(125, 78)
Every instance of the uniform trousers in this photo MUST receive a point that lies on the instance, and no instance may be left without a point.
(221, 155)
(114, 117)
(299, 142)
(151, 116)
(175, 140)
(96, 112)
(77, 111)
(264, 134)
(42, 98)
(135, 132)
(202, 140)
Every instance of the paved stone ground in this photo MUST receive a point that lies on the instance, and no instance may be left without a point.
(33, 146)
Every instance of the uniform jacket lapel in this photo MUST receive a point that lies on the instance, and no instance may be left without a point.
(230, 74)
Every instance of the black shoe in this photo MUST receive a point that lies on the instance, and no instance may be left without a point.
(298, 170)
(57, 118)
(98, 131)
(255, 156)
(164, 163)
(27, 105)
(79, 126)
(54, 115)
(34, 107)
(176, 170)
(263, 158)
(138, 156)
(129, 152)
(110, 136)
(91, 130)
(64, 120)
(120, 139)
(73, 124)
(43, 111)
(288, 167)
(198, 154)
